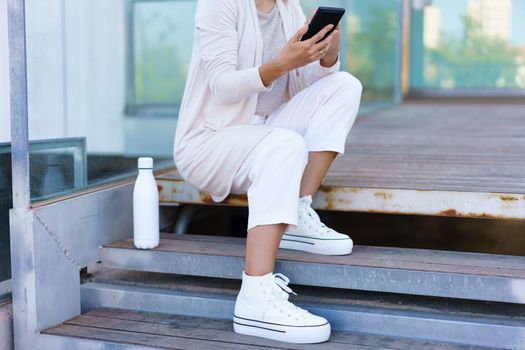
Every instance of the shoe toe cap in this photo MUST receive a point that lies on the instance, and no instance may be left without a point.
(315, 320)
(341, 236)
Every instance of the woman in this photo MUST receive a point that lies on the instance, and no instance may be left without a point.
(264, 113)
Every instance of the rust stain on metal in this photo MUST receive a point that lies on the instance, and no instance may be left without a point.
(329, 204)
(236, 199)
(449, 212)
(160, 188)
(454, 212)
(205, 198)
(486, 216)
(326, 189)
(509, 198)
(232, 199)
(383, 195)
(337, 189)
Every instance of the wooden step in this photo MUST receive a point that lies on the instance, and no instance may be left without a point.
(120, 327)
(456, 159)
(396, 270)
(475, 323)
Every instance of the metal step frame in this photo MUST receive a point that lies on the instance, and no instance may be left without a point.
(487, 331)
(202, 259)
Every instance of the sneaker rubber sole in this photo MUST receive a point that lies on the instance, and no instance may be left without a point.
(321, 246)
(285, 333)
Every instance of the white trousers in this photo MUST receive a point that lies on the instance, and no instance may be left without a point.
(318, 118)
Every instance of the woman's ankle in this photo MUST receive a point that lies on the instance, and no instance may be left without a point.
(256, 273)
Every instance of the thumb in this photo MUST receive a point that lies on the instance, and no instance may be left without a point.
(299, 33)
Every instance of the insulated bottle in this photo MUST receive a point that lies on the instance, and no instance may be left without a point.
(145, 207)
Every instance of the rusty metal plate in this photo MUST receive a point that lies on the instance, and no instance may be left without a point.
(374, 200)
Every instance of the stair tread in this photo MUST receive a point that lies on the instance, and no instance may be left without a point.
(167, 331)
(101, 277)
(363, 256)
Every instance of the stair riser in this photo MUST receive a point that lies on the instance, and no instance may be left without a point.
(54, 342)
(439, 284)
(420, 325)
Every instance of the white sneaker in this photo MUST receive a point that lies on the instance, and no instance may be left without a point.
(312, 236)
(262, 309)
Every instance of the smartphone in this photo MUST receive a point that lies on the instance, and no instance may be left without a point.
(323, 16)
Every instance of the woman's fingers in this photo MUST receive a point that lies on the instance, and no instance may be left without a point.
(297, 36)
(319, 34)
(322, 44)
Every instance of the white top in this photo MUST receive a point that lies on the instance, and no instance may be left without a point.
(273, 41)
(213, 134)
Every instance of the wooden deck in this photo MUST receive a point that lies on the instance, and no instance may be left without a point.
(449, 159)
(163, 331)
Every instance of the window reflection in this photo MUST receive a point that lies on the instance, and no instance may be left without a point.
(470, 44)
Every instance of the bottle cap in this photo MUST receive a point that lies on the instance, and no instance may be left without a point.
(145, 163)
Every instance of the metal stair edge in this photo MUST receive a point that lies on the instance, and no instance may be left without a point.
(379, 279)
(452, 328)
(62, 342)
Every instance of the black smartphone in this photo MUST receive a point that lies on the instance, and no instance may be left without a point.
(323, 16)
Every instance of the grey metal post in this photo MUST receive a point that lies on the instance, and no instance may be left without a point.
(20, 218)
(21, 235)
(18, 105)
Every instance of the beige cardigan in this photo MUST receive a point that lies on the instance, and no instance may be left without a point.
(213, 134)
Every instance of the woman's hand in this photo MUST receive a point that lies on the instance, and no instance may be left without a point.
(332, 52)
(296, 53)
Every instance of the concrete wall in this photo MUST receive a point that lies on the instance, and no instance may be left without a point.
(77, 78)
(76, 70)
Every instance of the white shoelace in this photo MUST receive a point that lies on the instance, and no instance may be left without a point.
(281, 295)
(314, 221)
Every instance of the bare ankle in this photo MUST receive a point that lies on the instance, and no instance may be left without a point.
(256, 273)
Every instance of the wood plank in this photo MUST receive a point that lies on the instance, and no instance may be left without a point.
(467, 147)
(198, 332)
(145, 339)
(378, 257)
(188, 332)
(160, 318)
(392, 253)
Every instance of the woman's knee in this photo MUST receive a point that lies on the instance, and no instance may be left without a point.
(349, 81)
(283, 155)
(289, 143)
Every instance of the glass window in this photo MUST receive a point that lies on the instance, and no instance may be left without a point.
(80, 135)
(161, 41)
(468, 44)
(370, 46)
(6, 203)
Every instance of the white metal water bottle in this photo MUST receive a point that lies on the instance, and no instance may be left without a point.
(145, 207)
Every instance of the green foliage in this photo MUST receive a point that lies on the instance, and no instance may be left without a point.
(474, 61)
(371, 51)
(159, 75)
